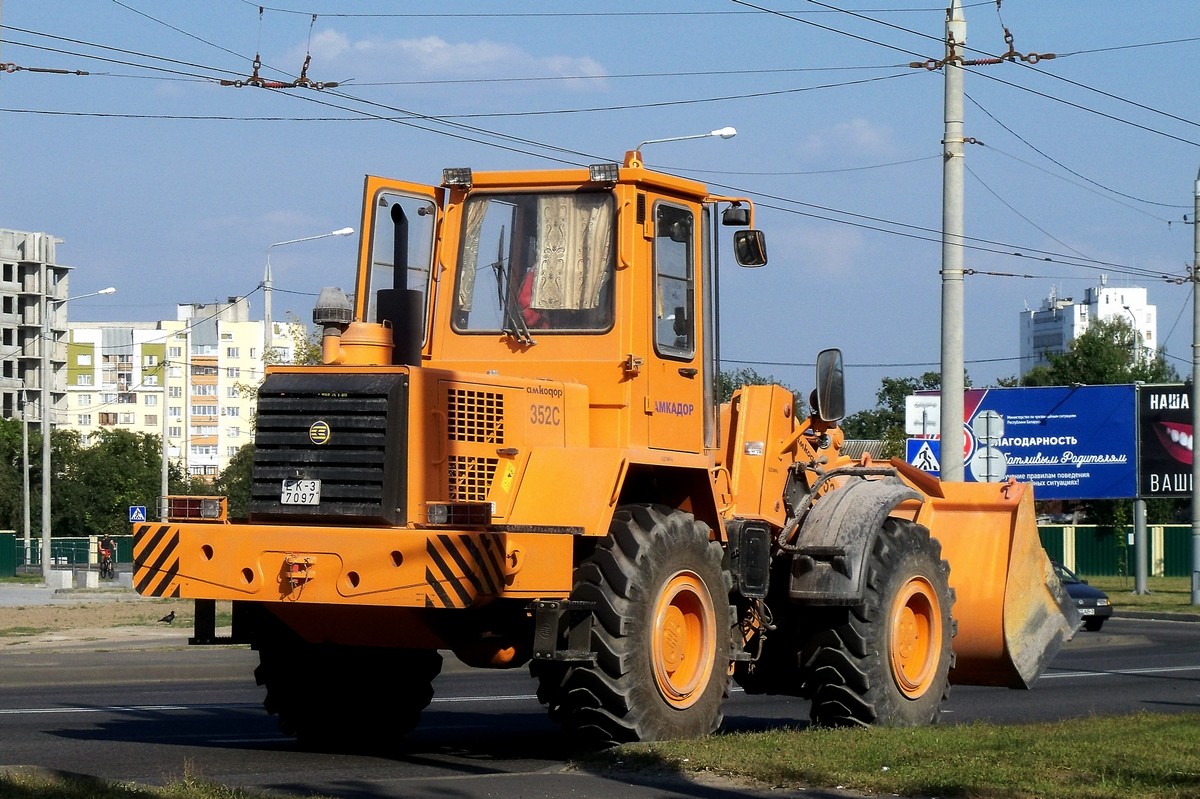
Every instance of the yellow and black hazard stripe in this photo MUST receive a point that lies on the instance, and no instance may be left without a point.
(461, 567)
(156, 560)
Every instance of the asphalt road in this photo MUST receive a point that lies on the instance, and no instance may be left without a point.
(151, 710)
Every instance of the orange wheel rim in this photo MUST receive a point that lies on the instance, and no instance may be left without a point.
(683, 639)
(916, 637)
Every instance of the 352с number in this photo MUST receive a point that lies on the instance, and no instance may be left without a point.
(544, 414)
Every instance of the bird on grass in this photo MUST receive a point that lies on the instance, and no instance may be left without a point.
(170, 617)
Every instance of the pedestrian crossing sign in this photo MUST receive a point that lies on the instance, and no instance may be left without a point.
(923, 454)
(137, 513)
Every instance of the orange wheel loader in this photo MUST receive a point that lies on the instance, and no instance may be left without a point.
(514, 451)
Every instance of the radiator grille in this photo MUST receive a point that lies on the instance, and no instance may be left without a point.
(470, 477)
(361, 460)
(475, 416)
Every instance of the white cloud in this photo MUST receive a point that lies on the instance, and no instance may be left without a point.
(432, 57)
(857, 135)
(823, 250)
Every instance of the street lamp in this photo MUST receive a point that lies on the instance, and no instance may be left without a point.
(46, 380)
(1137, 337)
(266, 284)
(724, 133)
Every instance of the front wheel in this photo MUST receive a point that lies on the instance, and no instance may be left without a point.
(662, 634)
(886, 662)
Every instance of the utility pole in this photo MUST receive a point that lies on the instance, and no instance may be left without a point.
(952, 249)
(1196, 388)
(25, 469)
(164, 487)
(1141, 556)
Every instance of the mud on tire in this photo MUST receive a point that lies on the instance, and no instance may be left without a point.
(885, 662)
(661, 634)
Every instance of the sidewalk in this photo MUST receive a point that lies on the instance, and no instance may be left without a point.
(13, 594)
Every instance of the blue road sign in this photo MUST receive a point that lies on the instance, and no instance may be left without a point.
(924, 454)
(137, 513)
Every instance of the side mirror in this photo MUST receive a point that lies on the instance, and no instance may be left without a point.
(750, 247)
(831, 386)
(736, 215)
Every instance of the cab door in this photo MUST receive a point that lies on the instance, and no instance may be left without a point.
(675, 401)
(399, 230)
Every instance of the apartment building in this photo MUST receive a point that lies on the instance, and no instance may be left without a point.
(33, 294)
(1061, 320)
(190, 380)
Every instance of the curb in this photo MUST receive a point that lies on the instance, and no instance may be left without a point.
(1154, 615)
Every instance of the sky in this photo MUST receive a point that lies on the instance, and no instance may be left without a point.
(172, 187)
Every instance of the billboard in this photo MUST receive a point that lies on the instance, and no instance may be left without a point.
(1165, 427)
(1070, 442)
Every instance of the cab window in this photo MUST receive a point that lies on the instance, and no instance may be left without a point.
(403, 230)
(535, 263)
(674, 281)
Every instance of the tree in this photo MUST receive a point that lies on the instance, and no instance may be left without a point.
(728, 382)
(1103, 355)
(885, 422)
(92, 487)
(12, 516)
(306, 346)
(234, 482)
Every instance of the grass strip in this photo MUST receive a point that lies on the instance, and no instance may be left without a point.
(1143, 756)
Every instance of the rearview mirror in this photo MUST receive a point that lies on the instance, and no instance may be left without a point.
(831, 386)
(750, 247)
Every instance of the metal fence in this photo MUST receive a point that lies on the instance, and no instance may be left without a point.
(66, 552)
(1094, 551)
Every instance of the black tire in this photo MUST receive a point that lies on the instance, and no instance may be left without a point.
(340, 698)
(886, 662)
(1093, 624)
(661, 634)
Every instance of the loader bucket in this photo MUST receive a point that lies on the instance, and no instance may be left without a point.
(1012, 613)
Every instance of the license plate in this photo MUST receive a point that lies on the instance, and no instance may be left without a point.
(1087, 611)
(301, 492)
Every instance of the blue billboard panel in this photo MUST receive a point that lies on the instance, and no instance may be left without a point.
(1071, 443)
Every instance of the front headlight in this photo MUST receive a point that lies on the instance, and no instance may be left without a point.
(1101, 603)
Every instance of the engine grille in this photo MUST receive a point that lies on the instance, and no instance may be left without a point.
(360, 422)
(470, 478)
(475, 416)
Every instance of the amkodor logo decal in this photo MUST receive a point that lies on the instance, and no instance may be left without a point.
(319, 432)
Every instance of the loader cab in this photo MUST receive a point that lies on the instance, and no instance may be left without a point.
(604, 277)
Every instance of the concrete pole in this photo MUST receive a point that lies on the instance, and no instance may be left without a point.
(25, 470)
(1140, 554)
(1196, 389)
(268, 339)
(163, 487)
(952, 250)
(46, 400)
(47, 380)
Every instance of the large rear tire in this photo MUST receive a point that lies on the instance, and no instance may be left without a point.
(339, 698)
(886, 662)
(661, 637)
